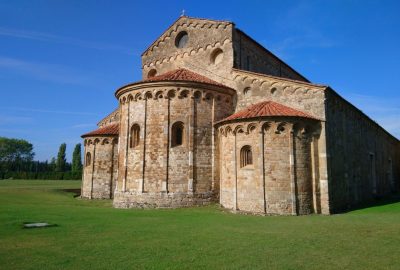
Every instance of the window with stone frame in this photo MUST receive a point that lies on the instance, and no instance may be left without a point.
(135, 136)
(246, 156)
(88, 159)
(177, 134)
(181, 39)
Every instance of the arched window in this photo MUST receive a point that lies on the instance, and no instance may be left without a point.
(88, 159)
(135, 135)
(246, 157)
(216, 56)
(181, 39)
(177, 134)
(152, 73)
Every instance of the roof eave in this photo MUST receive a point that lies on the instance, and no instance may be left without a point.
(260, 118)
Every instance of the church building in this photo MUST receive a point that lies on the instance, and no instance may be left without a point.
(219, 118)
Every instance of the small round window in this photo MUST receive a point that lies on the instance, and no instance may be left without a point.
(181, 39)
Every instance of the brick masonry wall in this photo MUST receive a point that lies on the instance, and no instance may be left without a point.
(99, 176)
(279, 181)
(250, 56)
(205, 37)
(154, 169)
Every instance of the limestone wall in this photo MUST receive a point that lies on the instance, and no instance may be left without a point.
(111, 118)
(280, 179)
(100, 167)
(251, 56)
(205, 38)
(155, 169)
(363, 158)
(252, 88)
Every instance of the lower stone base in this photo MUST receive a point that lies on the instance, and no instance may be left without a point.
(161, 200)
(95, 195)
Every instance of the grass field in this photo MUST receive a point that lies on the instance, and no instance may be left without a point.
(93, 235)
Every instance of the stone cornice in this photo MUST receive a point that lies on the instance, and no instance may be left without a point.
(188, 52)
(243, 74)
(175, 84)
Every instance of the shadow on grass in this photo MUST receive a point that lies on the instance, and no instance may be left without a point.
(376, 202)
(75, 191)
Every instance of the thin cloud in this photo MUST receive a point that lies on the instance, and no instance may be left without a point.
(51, 111)
(301, 31)
(43, 71)
(384, 110)
(83, 125)
(5, 119)
(40, 36)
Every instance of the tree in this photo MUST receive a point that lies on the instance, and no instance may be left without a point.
(15, 154)
(61, 161)
(52, 165)
(77, 159)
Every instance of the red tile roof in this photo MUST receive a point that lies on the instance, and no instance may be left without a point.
(112, 129)
(267, 108)
(183, 75)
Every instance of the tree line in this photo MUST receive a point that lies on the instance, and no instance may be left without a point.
(17, 162)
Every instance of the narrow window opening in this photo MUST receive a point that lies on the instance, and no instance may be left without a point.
(177, 134)
(135, 136)
(246, 156)
(373, 173)
(88, 159)
(248, 64)
(390, 175)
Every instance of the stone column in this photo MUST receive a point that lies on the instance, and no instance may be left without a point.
(164, 185)
(112, 168)
(141, 188)
(213, 141)
(191, 134)
(261, 164)
(323, 162)
(292, 163)
(127, 147)
(315, 174)
(236, 174)
(93, 167)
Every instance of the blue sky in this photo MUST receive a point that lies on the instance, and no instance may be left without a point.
(61, 61)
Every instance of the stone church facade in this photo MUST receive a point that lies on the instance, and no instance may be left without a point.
(219, 118)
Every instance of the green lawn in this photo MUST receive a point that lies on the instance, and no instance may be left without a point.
(93, 235)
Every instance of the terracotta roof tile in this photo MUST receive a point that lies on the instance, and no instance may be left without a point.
(112, 129)
(267, 108)
(183, 75)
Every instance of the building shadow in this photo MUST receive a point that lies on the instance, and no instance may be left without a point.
(75, 191)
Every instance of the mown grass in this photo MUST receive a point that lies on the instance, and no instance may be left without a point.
(93, 235)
